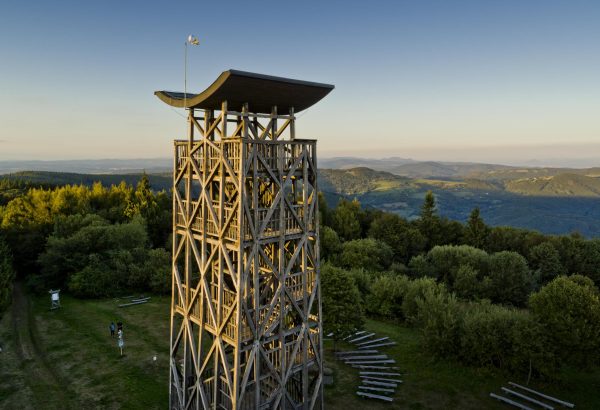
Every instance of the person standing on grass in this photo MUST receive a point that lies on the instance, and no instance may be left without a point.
(112, 329)
(120, 342)
(119, 325)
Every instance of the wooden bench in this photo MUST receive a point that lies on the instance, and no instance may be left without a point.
(381, 389)
(374, 396)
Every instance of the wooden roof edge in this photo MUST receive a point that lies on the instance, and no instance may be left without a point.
(304, 93)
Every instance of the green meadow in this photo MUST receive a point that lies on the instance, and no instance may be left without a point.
(66, 359)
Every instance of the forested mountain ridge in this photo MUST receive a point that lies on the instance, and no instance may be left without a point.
(552, 204)
(362, 180)
(159, 181)
(558, 204)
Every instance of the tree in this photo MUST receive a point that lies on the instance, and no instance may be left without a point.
(7, 275)
(569, 309)
(155, 209)
(404, 240)
(368, 254)
(509, 280)
(330, 243)
(506, 238)
(342, 308)
(545, 261)
(324, 211)
(387, 294)
(590, 261)
(96, 260)
(346, 219)
(428, 209)
(445, 261)
(429, 222)
(476, 230)
(449, 233)
(571, 251)
(142, 201)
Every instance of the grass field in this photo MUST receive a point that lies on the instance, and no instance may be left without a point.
(443, 384)
(66, 359)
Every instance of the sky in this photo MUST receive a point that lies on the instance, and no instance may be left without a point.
(486, 81)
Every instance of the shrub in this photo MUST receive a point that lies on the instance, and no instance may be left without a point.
(363, 280)
(417, 289)
(97, 279)
(419, 267)
(466, 283)
(569, 310)
(387, 294)
(486, 337)
(440, 319)
(342, 309)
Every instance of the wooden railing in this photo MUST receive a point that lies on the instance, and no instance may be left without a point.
(212, 225)
(228, 304)
(294, 283)
(272, 152)
(211, 156)
(272, 225)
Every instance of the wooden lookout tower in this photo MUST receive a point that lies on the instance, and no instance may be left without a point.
(246, 308)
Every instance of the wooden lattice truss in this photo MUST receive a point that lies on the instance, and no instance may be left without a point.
(245, 312)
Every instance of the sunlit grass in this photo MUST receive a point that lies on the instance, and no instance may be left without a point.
(444, 384)
(76, 341)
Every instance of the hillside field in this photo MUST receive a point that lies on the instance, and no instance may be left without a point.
(66, 359)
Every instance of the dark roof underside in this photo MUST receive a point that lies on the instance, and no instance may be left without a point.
(261, 92)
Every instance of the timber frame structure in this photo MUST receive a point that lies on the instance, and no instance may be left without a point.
(246, 297)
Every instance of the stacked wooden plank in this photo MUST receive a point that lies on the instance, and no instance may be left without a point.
(525, 398)
(135, 301)
(377, 371)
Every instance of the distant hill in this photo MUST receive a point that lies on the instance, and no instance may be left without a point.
(563, 185)
(551, 200)
(521, 173)
(433, 169)
(558, 204)
(452, 170)
(90, 166)
(157, 181)
(359, 180)
(384, 164)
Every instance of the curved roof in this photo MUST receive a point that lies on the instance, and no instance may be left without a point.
(260, 91)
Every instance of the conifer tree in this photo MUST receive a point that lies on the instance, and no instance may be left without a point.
(429, 223)
(476, 232)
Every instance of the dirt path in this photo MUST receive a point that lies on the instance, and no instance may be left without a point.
(49, 390)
